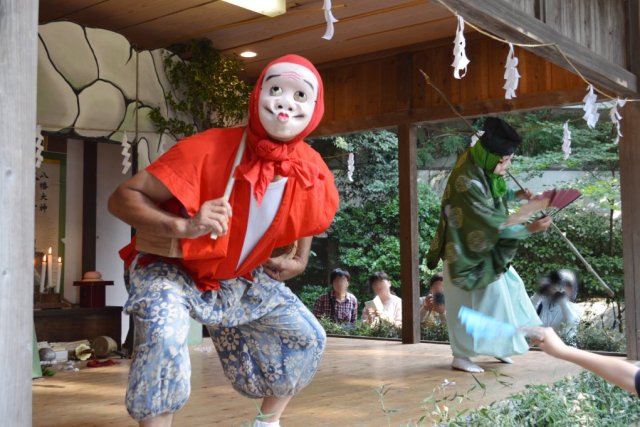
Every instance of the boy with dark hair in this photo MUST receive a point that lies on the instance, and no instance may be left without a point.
(338, 305)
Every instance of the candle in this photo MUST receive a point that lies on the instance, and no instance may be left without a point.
(43, 272)
(49, 268)
(59, 276)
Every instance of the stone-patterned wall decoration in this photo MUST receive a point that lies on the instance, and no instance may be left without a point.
(91, 83)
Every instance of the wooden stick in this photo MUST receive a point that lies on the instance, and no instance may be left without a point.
(584, 261)
(446, 99)
(574, 250)
(232, 180)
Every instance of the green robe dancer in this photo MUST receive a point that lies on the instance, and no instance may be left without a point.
(477, 249)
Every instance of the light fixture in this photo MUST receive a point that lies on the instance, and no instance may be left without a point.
(248, 54)
(265, 7)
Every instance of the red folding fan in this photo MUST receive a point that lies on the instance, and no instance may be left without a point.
(557, 199)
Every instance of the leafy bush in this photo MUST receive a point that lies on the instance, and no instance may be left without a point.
(310, 293)
(584, 400)
(436, 331)
(359, 328)
(594, 337)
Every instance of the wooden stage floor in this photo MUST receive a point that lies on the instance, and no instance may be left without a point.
(343, 392)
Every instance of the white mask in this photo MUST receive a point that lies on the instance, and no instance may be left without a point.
(287, 100)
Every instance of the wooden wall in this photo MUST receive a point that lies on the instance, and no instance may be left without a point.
(595, 24)
(389, 90)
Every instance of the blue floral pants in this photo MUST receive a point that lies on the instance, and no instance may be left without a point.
(267, 340)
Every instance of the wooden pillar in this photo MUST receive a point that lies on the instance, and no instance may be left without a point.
(89, 197)
(633, 36)
(409, 275)
(629, 179)
(18, 82)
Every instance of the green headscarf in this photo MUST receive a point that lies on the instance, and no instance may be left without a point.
(488, 162)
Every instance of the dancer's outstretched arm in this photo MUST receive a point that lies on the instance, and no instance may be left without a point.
(616, 371)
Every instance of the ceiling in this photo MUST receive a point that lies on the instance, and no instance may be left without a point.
(364, 26)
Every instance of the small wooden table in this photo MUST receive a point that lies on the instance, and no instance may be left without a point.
(92, 292)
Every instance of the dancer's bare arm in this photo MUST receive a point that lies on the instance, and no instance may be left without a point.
(614, 370)
(136, 203)
(282, 268)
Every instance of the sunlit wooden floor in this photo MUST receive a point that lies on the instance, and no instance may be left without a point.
(343, 393)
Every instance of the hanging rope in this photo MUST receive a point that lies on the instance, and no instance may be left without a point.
(535, 45)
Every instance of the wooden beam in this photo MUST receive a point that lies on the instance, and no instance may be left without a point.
(443, 112)
(18, 56)
(630, 196)
(504, 20)
(409, 276)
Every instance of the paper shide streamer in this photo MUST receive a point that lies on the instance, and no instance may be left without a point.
(511, 74)
(126, 153)
(351, 167)
(566, 140)
(460, 60)
(616, 117)
(590, 108)
(39, 146)
(475, 137)
(328, 16)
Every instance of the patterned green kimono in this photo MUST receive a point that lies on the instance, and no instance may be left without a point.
(477, 251)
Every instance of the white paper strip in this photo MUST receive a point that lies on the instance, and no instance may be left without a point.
(566, 140)
(351, 167)
(475, 137)
(590, 108)
(328, 16)
(39, 146)
(616, 117)
(511, 75)
(460, 60)
(126, 153)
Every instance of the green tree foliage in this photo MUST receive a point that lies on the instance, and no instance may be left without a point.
(368, 236)
(376, 167)
(366, 228)
(209, 91)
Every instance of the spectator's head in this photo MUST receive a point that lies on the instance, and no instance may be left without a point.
(380, 284)
(436, 284)
(558, 283)
(339, 279)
